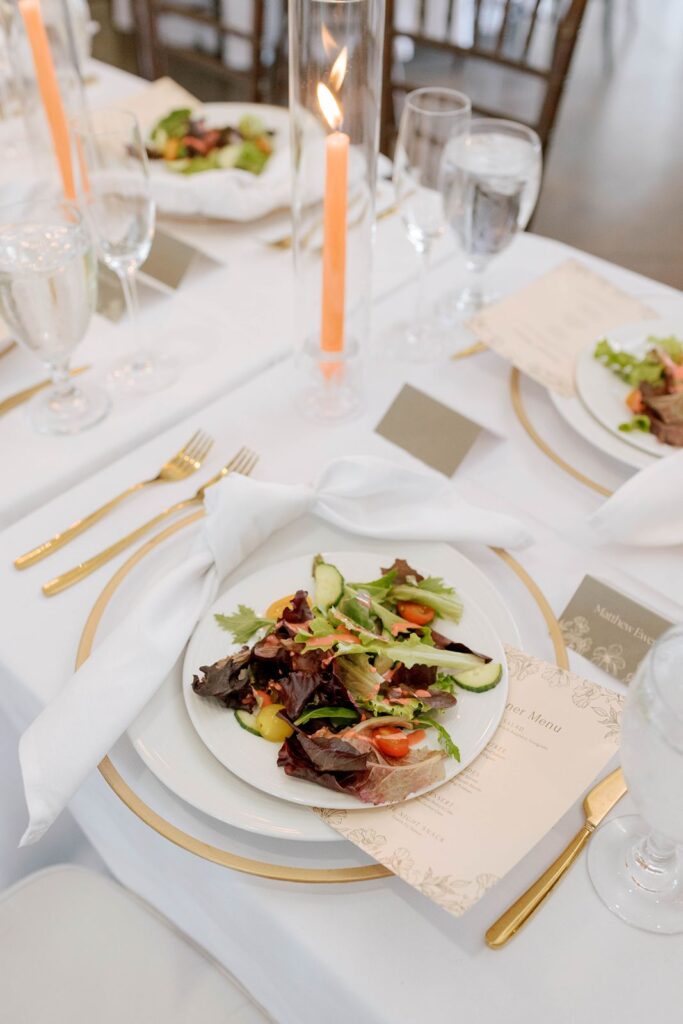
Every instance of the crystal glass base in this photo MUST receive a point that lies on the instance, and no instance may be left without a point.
(453, 308)
(654, 904)
(416, 343)
(142, 373)
(68, 411)
(331, 382)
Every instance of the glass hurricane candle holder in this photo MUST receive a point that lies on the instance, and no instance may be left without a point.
(336, 51)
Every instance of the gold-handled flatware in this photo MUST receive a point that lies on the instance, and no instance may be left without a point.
(597, 804)
(243, 463)
(181, 465)
(471, 350)
(13, 401)
(7, 347)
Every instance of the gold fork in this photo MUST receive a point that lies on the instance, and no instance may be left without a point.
(243, 463)
(181, 465)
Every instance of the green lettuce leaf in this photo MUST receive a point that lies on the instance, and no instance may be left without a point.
(641, 422)
(445, 741)
(444, 600)
(412, 651)
(243, 623)
(334, 714)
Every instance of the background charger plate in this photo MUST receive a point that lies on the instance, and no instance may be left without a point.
(471, 723)
(603, 394)
(167, 742)
(179, 823)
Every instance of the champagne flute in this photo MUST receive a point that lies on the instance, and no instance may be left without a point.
(47, 296)
(636, 863)
(117, 200)
(430, 120)
(490, 181)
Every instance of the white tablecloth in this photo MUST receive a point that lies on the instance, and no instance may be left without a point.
(377, 953)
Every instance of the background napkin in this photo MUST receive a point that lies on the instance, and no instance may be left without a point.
(362, 495)
(647, 509)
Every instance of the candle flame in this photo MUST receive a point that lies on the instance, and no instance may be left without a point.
(338, 72)
(332, 112)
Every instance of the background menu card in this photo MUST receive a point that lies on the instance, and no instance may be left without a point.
(428, 429)
(609, 629)
(558, 732)
(542, 328)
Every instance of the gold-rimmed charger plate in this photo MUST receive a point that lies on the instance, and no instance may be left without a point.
(541, 443)
(215, 854)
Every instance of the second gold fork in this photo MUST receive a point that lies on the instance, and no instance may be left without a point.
(243, 463)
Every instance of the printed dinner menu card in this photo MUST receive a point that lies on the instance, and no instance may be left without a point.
(543, 328)
(557, 734)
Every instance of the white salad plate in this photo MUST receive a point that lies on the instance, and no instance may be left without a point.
(230, 194)
(576, 415)
(604, 395)
(471, 723)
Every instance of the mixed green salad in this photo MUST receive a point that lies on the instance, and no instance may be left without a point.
(655, 398)
(352, 682)
(187, 146)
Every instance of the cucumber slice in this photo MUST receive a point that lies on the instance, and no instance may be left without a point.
(329, 585)
(481, 678)
(247, 721)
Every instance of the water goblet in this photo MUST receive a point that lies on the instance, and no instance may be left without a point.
(636, 861)
(47, 295)
(491, 176)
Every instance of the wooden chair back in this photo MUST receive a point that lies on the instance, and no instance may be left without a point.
(511, 57)
(210, 19)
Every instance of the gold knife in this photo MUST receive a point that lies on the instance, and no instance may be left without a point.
(8, 347)
(596, 805)
(23, 396)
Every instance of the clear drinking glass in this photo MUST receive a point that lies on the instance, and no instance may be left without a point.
(47, 296)
(636, 863)
(114, 178)
(490, 183)
(431, 120)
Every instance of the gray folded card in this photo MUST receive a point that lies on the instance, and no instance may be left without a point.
(428, 429)
(610, 629)
(169, 260)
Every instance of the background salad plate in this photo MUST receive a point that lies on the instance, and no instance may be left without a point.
(603, 394)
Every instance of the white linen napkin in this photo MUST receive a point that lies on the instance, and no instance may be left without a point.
(647, 509)
(361, 494)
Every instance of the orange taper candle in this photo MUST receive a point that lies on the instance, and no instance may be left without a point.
(49, 90)
(334, 234)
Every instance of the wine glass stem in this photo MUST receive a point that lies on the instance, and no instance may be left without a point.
(129, 284)
(61, 378)
(473, 290)
(424, 254)
(653, 863)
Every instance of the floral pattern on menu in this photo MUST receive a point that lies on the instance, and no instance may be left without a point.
(422, 841)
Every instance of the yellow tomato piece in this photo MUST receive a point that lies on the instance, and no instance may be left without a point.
(275, 610)
(270, 726)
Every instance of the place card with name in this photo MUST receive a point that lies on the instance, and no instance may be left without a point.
(544, 327)
(610, 629)
(453, 844)
(428, 429)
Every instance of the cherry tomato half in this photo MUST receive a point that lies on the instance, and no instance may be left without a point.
(418, 614)
(391, 742)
